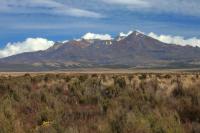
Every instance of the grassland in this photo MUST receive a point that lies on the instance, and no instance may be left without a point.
(100, 103)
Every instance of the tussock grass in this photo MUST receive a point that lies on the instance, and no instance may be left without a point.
(100, 103)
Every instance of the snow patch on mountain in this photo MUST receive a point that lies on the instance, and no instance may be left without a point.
(139, 33)
(65, 41)
(122, 34)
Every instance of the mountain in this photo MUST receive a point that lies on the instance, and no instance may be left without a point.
(135, 50)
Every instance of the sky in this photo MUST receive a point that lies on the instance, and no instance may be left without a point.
(36, 24)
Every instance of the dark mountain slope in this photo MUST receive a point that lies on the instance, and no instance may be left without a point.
(135, 50)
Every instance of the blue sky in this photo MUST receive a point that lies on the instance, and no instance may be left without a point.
(68, 19)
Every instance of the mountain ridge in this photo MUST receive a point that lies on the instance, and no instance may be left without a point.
(134, 50)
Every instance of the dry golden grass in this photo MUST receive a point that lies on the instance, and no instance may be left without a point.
(100, 102)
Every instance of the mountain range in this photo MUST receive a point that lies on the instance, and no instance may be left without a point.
(136, 50)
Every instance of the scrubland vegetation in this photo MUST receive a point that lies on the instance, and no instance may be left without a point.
(100, 103)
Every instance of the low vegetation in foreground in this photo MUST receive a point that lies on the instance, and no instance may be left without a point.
(100, 103)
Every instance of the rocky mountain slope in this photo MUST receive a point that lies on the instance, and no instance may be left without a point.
(135, 50)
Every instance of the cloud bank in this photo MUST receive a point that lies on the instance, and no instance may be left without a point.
(91, 36)
(29, 45)
(185, 7)
(51, 7)
(69, 8)
(178, 40)
(142, 3)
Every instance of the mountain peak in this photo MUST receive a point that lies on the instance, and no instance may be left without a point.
(123, 35)
(132, 35)
(137, 33)
(135, 49)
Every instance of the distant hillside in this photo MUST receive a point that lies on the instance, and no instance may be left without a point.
(133, 51)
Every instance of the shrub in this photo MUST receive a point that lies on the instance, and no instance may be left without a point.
(118, 103)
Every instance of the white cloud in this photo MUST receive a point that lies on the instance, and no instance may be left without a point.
(44, 6)
(79, 13)
(185, 7)
(179, 40)
(29, 45)
(142, 3)
(91, 36)
(122, 34)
